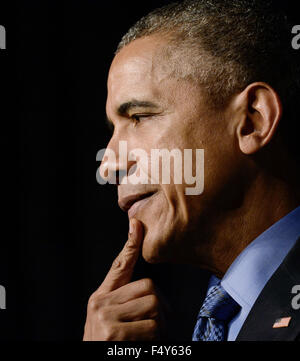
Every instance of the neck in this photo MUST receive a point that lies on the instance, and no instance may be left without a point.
(266, 201)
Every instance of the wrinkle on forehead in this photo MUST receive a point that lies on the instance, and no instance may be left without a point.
(143, 58)
(148, 69)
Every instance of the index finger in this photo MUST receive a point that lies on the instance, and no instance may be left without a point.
(122, 268)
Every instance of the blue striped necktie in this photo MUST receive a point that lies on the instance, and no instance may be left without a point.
(217, 311)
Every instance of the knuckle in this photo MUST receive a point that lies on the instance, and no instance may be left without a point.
(104, 314)
(152, 326)
(129, 251)
(96, 301)
(147, 284)
(119, 264)
(111, 333)
(153, 302)
(93, 304)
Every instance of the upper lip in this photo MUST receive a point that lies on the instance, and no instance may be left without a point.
(126, 202)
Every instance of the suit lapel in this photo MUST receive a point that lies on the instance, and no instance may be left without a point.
(275, 302)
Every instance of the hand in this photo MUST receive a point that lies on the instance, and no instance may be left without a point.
(120, 310)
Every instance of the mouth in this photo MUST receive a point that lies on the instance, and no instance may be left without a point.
(132, 203)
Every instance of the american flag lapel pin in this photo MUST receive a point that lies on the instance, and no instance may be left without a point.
(282, 322)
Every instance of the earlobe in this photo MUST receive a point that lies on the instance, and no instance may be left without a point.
(262, 111)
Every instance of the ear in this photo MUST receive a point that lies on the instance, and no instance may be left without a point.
(260, 111)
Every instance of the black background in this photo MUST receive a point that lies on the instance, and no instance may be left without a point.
(60, 229)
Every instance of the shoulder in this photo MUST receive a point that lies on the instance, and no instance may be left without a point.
(278, 300)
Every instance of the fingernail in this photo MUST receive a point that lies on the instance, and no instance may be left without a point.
(131, 226)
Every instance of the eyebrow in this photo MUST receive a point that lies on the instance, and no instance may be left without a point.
(124, 108)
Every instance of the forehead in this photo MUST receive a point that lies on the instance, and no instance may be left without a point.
(137, 69)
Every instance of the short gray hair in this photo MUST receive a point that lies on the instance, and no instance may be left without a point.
(229, 44)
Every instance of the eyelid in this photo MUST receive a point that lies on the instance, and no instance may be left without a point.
(143, 115)
(137, 117)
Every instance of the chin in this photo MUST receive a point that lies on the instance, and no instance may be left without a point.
(149, 258)
(151, 253)
(156, 250)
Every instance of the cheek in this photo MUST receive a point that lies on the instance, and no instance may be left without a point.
(159, 212)
(156, 220)
(164, 219)
(177, 203)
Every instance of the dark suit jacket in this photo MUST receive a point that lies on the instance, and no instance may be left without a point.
(274, 302)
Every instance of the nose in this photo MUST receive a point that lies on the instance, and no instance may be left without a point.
(115, 164)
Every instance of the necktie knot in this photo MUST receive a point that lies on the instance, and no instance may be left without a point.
(217, 311)
(219, 305)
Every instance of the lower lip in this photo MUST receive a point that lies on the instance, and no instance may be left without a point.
(136, 206)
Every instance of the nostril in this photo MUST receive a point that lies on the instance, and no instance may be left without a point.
(132, 169)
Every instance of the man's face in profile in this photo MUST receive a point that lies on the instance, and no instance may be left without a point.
(151, 108)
